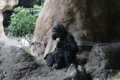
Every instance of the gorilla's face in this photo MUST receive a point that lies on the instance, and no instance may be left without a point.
(57, 31)
(56, 34)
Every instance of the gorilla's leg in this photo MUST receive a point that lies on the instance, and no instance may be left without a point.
(49, 59)
(59, 60)
(69, 58)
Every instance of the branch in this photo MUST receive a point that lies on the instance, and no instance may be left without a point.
(39, 42)
(27, 39)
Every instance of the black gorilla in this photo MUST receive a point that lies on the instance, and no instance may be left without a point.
(57, 58)
(66, 49)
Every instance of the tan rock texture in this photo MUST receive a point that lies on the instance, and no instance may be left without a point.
(1, 24)
(87, 20)
(5, 5)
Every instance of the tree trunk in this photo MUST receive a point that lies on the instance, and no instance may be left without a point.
(87, 20)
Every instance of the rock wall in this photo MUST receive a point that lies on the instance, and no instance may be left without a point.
(5, 5)
(104, 62)
(87, 20)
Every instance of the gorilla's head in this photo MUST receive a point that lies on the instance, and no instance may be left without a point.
(58, 31)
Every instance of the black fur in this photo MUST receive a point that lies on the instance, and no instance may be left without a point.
(49, 59)
(66, 48)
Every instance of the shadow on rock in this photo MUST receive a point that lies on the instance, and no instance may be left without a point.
(74, 73)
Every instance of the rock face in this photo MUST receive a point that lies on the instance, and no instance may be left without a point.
(5, 5)
(104, 61)
(74, 73)
(15, 63)
(94, 20)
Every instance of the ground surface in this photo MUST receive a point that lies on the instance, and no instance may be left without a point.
(17, 64)
(45, 73)
(21, 66)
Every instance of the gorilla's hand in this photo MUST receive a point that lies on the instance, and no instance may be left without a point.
(62, 45)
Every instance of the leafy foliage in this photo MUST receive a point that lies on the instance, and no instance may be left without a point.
(23, 21)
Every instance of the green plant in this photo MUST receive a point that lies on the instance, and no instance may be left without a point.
(23, 21)
(51, 68)
(3, 73)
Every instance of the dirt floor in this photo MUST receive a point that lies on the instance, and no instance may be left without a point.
(45, 73)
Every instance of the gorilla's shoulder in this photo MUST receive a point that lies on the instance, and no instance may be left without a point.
(69, 35)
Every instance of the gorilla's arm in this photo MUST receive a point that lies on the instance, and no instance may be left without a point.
(72, 44)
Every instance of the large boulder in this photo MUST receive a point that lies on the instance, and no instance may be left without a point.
(15, 63)
(104, 61)
(74, 73)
